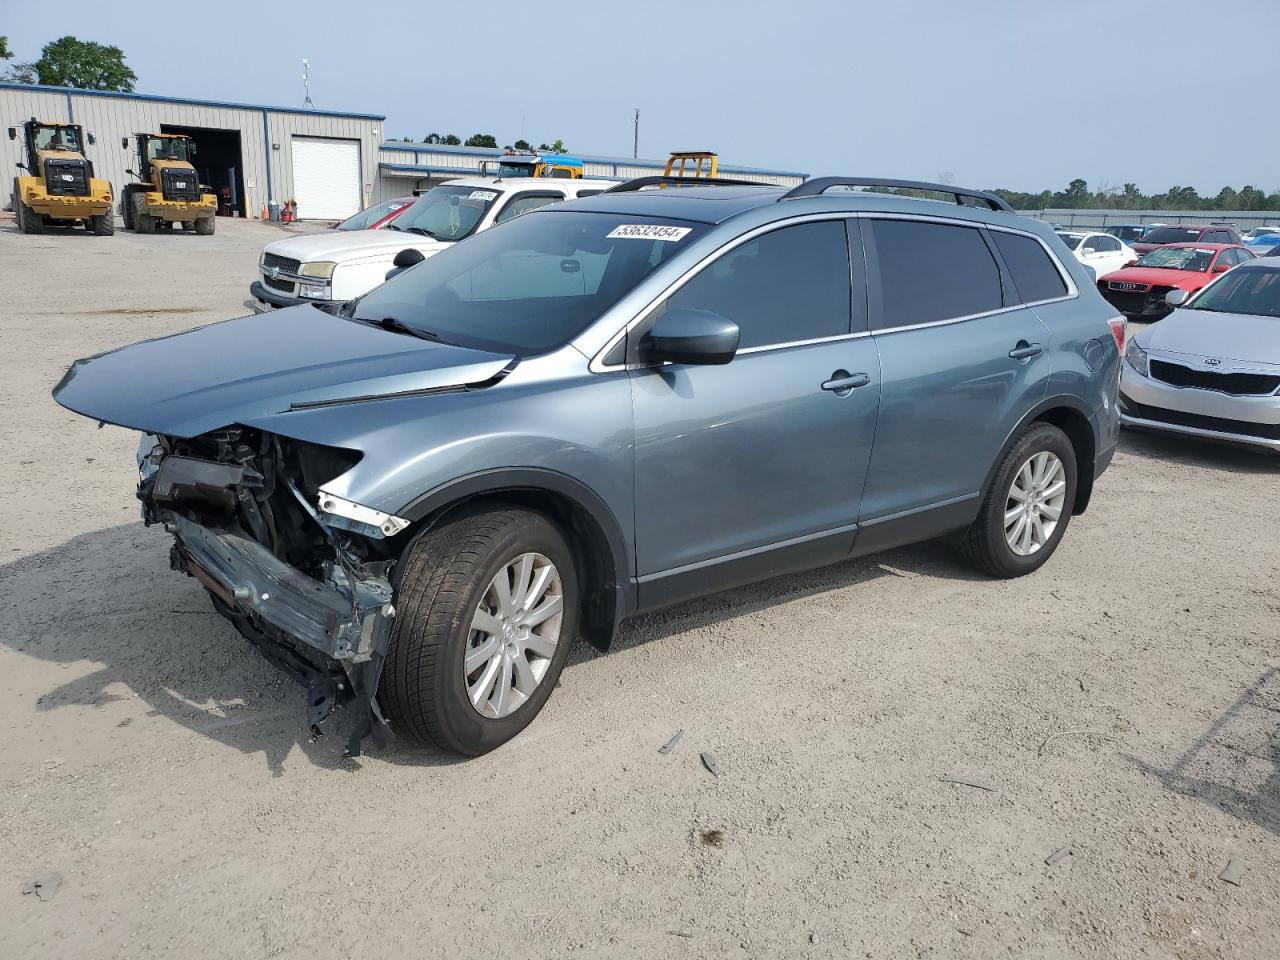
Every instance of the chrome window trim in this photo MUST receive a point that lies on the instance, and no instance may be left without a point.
(597, 364)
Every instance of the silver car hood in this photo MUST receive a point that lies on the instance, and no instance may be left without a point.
(1202, 333)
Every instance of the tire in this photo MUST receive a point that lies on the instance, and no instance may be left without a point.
(142, 221)
(985, 543)
(204, 226)
(103, 226)
(28, 220)
(445, 576)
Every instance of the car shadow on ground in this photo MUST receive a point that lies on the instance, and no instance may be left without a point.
(108, 598)
(1193, 452)
(1221, 766)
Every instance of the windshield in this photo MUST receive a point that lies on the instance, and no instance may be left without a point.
(1179, 258)
(508, 168)
(531, 284)
(168, 148)
(1252, 289)
(446, 213)
(50, 137)
(1126, 233)
(1262, 232)
(1172, 235)
(1072, 240)
(367, 217)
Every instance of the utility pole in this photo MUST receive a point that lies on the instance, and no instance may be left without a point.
(635, 143)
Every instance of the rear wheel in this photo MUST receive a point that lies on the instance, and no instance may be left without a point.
(486, 608)
(142, 221)
(103, 226)
(1028, 506)
(204, 226)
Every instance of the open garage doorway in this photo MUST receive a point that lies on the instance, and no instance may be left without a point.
(219, 163)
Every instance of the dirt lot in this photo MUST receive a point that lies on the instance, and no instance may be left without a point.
(157, 779)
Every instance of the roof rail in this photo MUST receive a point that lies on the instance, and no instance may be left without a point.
(820, 185)
(639, 183)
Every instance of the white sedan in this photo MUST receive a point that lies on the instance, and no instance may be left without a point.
(1100, 251)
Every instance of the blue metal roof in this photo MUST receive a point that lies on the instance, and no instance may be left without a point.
(75, 91)
(488, 152)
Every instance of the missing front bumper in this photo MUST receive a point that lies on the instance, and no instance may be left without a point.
(331, 636)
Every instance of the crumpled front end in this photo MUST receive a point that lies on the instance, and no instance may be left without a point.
(303, 575)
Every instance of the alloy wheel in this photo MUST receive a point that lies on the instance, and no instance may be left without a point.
(514, 635)
(1034, 505)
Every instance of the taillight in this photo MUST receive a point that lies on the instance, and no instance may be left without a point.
(1117, 331)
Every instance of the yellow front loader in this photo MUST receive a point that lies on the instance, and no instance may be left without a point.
(170, 190)
(59, 188)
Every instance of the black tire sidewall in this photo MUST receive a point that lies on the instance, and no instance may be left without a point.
(1039, 438)
(461, 728)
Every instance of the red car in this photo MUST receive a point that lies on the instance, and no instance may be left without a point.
(1138, 291)
(376, 216)
(1187, 233)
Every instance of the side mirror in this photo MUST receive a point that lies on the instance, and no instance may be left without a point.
(91, 138)
(1176, 298)
(124, 143)
(131, 173)
(405, 259)
(13, 133)
(690, 335)
(1221, 267)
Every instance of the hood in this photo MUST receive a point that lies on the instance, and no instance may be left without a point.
(193, 382)
(1160, 277)
(340, 245)
(1229, 336)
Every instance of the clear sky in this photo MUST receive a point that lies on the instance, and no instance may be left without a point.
(1024, 94)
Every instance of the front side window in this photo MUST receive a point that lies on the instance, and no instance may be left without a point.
(1253, 290)
(525, 204)
(530, 285)
(1034, 274)
(447, 212)
(56, 138)
(787, 285)
(932, 271)
(167, 148)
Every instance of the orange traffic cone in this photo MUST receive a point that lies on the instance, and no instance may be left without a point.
(264, 211)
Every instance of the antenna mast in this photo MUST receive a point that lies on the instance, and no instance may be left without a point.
(306, 83)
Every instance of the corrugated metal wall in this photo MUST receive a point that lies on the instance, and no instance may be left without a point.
(110, 118)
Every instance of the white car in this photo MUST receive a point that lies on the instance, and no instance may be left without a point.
(1102, 252)
(1261, 231)
(336, 266)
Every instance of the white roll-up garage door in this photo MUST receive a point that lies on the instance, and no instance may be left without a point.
(326, 178)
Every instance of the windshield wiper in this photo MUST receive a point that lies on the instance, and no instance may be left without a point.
(422, 231)
(392, 325)
(392, 226)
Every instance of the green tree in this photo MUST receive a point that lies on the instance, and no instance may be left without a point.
(451, 140)
(5, 54)
(558, 147)
(1252, 198)
(1227, 199)
(522, 144)
(481, 140)
(68, 62)
(431, 138)
(544, 147)
(1075, 197)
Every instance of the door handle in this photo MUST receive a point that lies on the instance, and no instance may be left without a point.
(1025, 351)
(843, 383)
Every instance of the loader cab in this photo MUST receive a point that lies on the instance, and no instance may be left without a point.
(159, 150)
(529, 164)
(50, 141)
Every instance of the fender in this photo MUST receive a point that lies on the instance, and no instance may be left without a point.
(622, 601)
(1084, 481)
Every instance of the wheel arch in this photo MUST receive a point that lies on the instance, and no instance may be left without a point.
(1071, 416)
(594, 533)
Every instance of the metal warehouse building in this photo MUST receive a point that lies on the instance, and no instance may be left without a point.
(325, 161)
(330, 164)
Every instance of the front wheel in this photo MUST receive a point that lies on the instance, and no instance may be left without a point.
(103, 226)
(486, 608)
(204, 226)
(143, 222)
(1028, 506)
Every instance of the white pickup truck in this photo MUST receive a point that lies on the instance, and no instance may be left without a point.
(336, 266)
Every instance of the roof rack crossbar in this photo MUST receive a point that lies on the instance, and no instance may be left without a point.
(640, 183)
(820, 185)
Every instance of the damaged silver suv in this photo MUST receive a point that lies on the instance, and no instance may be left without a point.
(415, 502)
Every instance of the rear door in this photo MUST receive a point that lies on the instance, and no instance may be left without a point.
(756, 467)
(962, 362)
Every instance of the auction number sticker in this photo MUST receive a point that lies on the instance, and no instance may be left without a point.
(649, 231)
(485, 195)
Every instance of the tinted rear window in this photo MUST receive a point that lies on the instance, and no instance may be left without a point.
(1034, 275)
(1173, 235)
(932, 271)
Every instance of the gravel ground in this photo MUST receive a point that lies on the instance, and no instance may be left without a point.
(158, 783)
